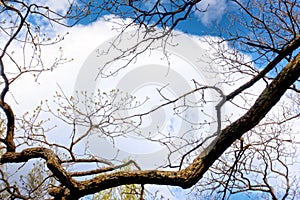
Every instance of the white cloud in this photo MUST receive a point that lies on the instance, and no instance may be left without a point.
(57, 6)
(213, 10)
(80, 41)
(77, 45)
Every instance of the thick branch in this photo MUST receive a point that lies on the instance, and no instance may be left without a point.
(268, 98)
(191, 175)
(282, 54)
(53, 163)
(10, 127)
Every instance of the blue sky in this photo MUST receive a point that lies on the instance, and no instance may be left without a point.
(199, 23)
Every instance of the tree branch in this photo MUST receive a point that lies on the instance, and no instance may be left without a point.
(193, 173)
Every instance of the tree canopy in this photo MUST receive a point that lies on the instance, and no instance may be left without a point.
(243, 141)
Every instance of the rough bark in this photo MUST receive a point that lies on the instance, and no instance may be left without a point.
(184, 178)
